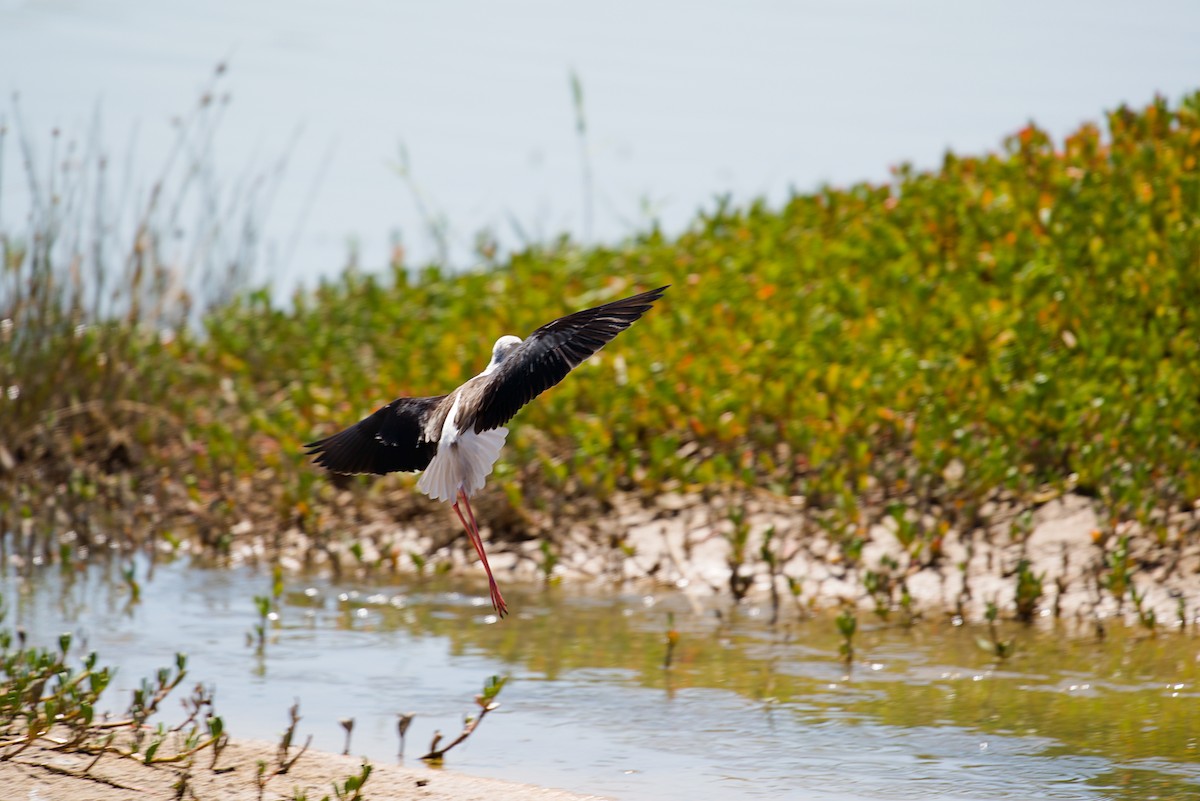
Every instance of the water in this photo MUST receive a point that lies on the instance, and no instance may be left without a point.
(682, 103)
(746, 710)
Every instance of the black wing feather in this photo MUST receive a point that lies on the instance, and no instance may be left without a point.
(552, 351)
(387, 441)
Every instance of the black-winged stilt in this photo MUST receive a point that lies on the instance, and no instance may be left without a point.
(456, 438)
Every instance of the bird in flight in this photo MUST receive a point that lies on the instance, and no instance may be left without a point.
(456, 438)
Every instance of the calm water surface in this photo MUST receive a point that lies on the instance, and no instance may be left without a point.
(747, 709)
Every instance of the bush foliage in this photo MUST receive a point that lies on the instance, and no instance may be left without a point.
(1020, 322)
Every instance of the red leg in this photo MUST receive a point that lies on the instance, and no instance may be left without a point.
(472, 530)
(470, 514)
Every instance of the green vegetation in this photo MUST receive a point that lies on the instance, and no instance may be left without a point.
(486, 701)
(1022, 323)
(847, 626)
(50, 702)
(46, 702)
(1029, 591)
(350, 788)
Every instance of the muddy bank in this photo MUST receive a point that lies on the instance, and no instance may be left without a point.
(1074, 564)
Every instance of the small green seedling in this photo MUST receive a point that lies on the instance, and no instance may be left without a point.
(1001, 649)
(549, 562)
(847, 626)
(1145, 614)
(486, 701)
(257, 637)
(672, 640)
(350, 789)
(403, 721)
(1029, 591)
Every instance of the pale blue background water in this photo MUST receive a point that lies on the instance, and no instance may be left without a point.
(684, 101)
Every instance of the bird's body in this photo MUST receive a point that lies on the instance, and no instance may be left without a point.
(456, 438)
(463, 459)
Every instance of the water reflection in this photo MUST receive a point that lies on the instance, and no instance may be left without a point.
(745, 710)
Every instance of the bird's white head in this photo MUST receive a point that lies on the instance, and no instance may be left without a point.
(504, 346)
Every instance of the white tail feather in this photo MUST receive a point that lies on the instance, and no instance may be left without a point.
(466, 462)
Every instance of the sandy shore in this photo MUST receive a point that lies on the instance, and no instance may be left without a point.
(39, 774)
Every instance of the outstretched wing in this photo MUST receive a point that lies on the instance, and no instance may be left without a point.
(552, 351)
(385, 442)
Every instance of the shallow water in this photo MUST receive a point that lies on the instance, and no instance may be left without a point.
(746, 709)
